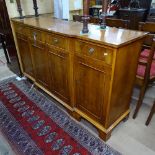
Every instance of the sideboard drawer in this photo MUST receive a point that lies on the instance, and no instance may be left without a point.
(21, 29)
(37, 35)
(57, 40)
(94, 51)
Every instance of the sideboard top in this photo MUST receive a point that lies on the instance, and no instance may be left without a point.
(114, 37)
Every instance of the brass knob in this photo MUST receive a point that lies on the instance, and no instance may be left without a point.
(55, 40)
(91, 50)
(105, 54)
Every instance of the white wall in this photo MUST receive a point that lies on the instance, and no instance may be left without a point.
(75, 4)
(153, 3)
(64, 9)
(45, 6)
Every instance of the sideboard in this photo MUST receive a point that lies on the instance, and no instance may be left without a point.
(91, 75)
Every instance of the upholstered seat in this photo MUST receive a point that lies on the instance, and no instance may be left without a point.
(145, 53)
(146, 65)
(141, 69)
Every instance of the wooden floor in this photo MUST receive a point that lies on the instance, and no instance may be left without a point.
(129, 138)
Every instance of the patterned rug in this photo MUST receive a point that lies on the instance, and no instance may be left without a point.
(35, 125)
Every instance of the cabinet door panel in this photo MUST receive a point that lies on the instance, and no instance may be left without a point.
(25, 54)
(59, 68)
(39, 55)
(90, 88)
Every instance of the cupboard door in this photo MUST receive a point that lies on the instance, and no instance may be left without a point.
(25, 54)
(59, 69)
(39, 57)
(91, 88)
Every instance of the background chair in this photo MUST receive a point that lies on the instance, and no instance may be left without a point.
(148, 27)
(151, 114)
(3, 42)
(77, 18)
(119, 23)
(93, 20)
(146, 65)
(151, 15)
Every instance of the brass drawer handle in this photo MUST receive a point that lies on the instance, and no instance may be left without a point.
(35, 36)
(55, 40)
(91, 50)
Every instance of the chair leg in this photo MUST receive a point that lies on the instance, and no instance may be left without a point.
(141, 97)
(4, 48)
(150, 115)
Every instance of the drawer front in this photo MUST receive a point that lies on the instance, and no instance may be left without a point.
(37, 35)
(22, 36)
(57, 41)
(94, 51)
(21, 29)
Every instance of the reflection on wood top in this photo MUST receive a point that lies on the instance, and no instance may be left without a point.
(110, 36)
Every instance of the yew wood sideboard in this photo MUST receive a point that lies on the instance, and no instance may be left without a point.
(91, 75)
